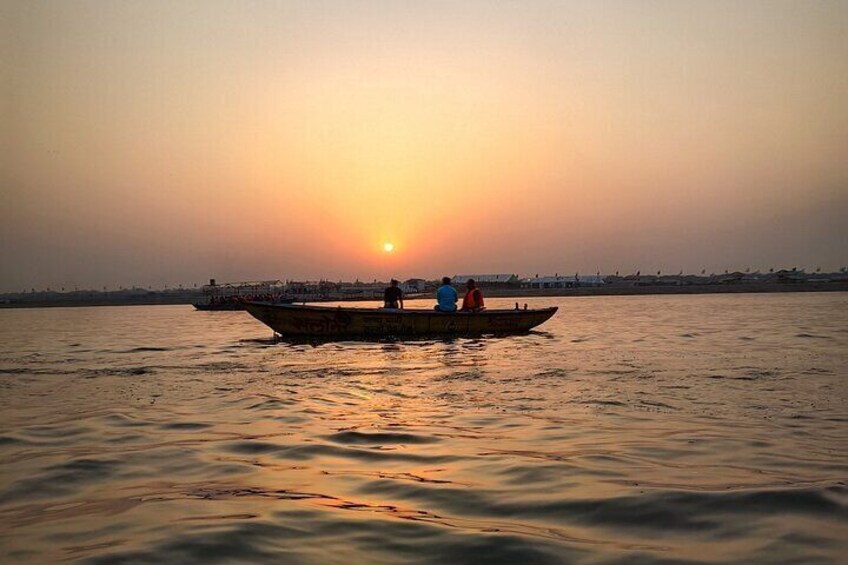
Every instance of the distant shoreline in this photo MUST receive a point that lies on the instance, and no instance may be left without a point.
(491, 292)
(616, 290)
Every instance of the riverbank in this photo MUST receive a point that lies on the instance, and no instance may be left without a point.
(493, 292)
(621, 290)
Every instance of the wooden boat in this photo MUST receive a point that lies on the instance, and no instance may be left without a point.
(232, 305)
(218, 306)
(230, 296)
(292, 320)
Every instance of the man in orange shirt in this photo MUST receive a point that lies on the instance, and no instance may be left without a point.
(473, 301)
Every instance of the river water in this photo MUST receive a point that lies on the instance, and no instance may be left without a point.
(674, 429)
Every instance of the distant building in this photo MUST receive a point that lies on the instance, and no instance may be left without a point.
(410, 286)
(735, 277)
(242, 289)
(305, 289)
(793, 276)
(563, 282)
(488, 280)
(641, 280)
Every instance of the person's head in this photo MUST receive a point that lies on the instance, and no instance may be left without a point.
(394, 282)
(445, 280)
(470, 284)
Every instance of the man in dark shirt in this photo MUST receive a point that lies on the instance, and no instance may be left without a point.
(393, 296)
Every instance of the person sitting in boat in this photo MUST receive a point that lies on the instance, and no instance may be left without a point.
(446, 296)
(393, 296)
(473, 301)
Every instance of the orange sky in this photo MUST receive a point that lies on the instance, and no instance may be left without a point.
(160, 143)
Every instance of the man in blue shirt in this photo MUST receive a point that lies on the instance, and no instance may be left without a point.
(446, 296)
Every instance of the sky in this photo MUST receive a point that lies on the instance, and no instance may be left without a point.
(159, 143)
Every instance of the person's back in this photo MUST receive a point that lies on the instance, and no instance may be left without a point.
(393, 296)
(446, 297)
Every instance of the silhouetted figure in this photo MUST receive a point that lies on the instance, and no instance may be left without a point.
(393, 296)
(473, 301)
(446, 296)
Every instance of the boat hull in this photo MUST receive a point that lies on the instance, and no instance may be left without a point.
(231, 306)
(218, 307)
(290, 320)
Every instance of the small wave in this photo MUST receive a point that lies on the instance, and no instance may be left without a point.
(9, 440)
(55, 431)
(36, 371)
(461, 376)
(598, 402)
(127, 438)
(805, 335)
(757, 375)
(122, 420)
(215, 517)
(185, 426)
(619, 372)
(657, 404)
(59, 480)
(380, 438)
(119, 372)
(304, 452)
(552, 373)
(660, 511)
(285, 539)
(253, 447)
(15, 371)
(221, 367)
(271, 404)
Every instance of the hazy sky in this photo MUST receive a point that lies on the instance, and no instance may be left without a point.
(153, 143)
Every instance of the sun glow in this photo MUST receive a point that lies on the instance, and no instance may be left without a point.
(388, 247)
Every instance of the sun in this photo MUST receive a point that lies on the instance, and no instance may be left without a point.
(388, 247)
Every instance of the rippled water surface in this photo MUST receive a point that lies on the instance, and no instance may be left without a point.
(702, 429)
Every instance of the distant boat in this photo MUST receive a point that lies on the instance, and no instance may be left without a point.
(232, 305)
(230, 296)
(326, 321)
(213, 306)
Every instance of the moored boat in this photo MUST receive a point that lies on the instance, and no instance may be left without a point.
(231, 296)
(292, 320)
(219, 305)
